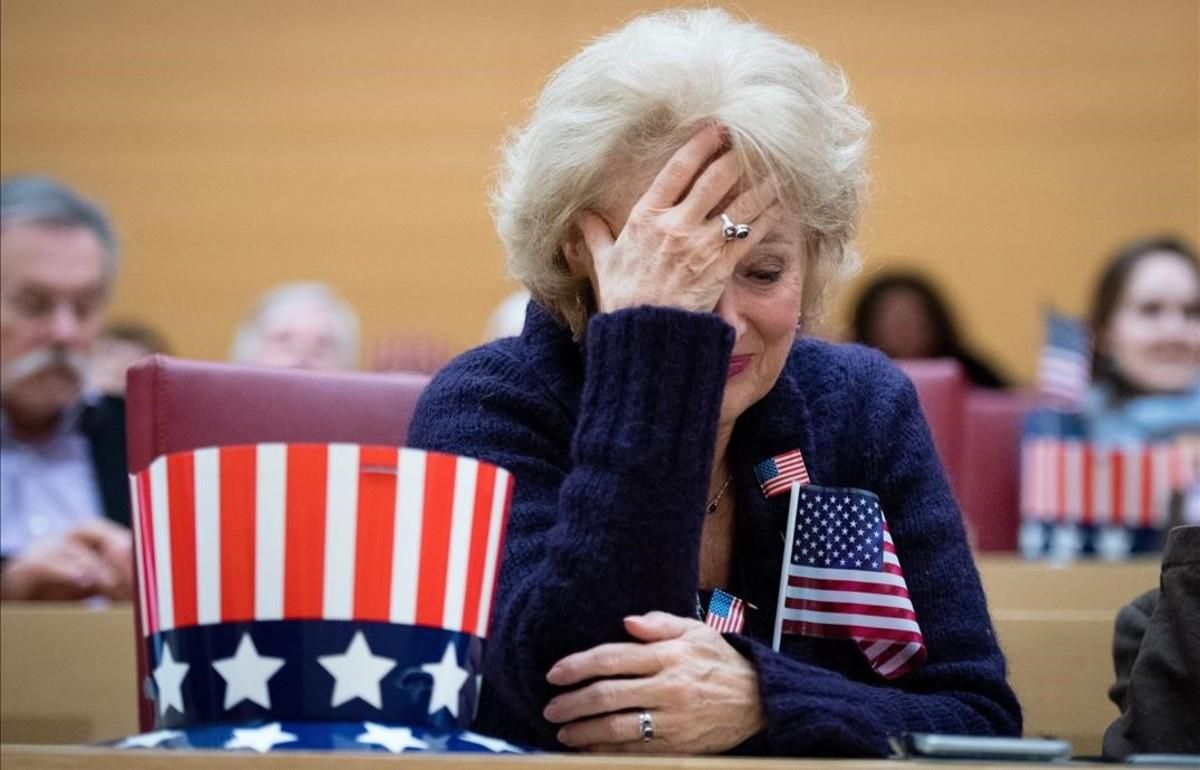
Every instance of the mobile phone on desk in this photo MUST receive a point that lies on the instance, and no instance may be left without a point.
(934, 746)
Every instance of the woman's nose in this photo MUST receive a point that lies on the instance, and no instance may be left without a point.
(728, 310)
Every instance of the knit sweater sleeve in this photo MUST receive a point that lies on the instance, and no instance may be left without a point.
(608, 504)
(961, 687)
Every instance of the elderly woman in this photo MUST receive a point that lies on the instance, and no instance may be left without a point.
(683, 193)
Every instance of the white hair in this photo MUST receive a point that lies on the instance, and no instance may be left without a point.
(632, 97)
(287, 298)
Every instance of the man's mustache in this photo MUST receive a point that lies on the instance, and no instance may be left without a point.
(40, 360)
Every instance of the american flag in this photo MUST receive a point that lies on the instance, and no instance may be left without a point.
(844, 579)
(776, 474)
(726, 612)
(1063, 371)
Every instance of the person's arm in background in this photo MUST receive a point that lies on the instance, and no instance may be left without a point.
(95, 559)
(1160, 705)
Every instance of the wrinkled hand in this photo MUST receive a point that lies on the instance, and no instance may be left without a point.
(671, 252)
(95, 559)
(701, 693)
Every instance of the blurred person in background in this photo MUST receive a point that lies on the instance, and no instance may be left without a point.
(1145, 324)
(299, 326)
(118, 347)
(64, 494)
(508, 318)
(904, 315)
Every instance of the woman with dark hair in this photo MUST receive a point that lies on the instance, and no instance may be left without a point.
(903, 315)
(1145, 321)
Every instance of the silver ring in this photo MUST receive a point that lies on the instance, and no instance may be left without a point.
(646, 726)
(730, 230)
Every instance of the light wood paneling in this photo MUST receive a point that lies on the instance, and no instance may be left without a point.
(240, 143)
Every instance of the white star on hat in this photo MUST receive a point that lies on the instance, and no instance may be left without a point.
(261, 739)
(448, 679)
(357, 673)
(148, 740)
(246, 674)
(394, 739)
(168, 678)
(494, 745)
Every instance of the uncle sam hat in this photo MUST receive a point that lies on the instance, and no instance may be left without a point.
(316, 596)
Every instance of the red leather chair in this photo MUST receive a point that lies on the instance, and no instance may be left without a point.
(174, 405)
(990, 493)
(942, 389)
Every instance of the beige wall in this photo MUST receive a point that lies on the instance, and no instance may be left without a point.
(240, 143)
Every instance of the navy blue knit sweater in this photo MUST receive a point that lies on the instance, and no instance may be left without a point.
(611, 443)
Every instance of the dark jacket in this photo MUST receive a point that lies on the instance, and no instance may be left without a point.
(103, 423)
(611, 443)
(1156, 652)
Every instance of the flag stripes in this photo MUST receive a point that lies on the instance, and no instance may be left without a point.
(337, 532)
(864, 597)
(1080, 482)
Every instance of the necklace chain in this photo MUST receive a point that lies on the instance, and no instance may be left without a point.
(713, 503)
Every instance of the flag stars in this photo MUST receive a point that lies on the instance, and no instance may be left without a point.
(168, 679)
(394, 739)
(260, 739)
(247, 673)
(357, 673)
(448, 679)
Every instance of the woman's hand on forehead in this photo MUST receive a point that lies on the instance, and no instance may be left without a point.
(672, 250)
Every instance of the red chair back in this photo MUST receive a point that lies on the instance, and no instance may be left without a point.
(941, 389)
(174, 405)
(990, 494)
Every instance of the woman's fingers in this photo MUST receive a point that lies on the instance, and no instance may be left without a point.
(605, 661)
(749, 205)
(608, 730)
(596, 236)
(710, 188)
(674, 179)
(604, 697)
(658, 626)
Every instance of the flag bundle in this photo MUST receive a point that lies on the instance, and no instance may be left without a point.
(1070, 480)
(298, 596)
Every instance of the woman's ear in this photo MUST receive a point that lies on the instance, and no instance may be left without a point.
(575, 252)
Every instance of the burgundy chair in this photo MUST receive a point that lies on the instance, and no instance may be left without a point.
(942, 389)
(990, 493)
(175, 405)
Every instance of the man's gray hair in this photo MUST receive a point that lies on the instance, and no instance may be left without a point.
(282, 300)
(615, 112)
(33, 199)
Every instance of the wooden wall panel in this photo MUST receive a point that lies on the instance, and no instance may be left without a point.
(240, 143)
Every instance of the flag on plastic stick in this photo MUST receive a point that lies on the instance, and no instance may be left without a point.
(841, 578)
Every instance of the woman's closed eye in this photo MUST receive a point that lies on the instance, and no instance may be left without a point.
(764, 272)
(765, 277)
